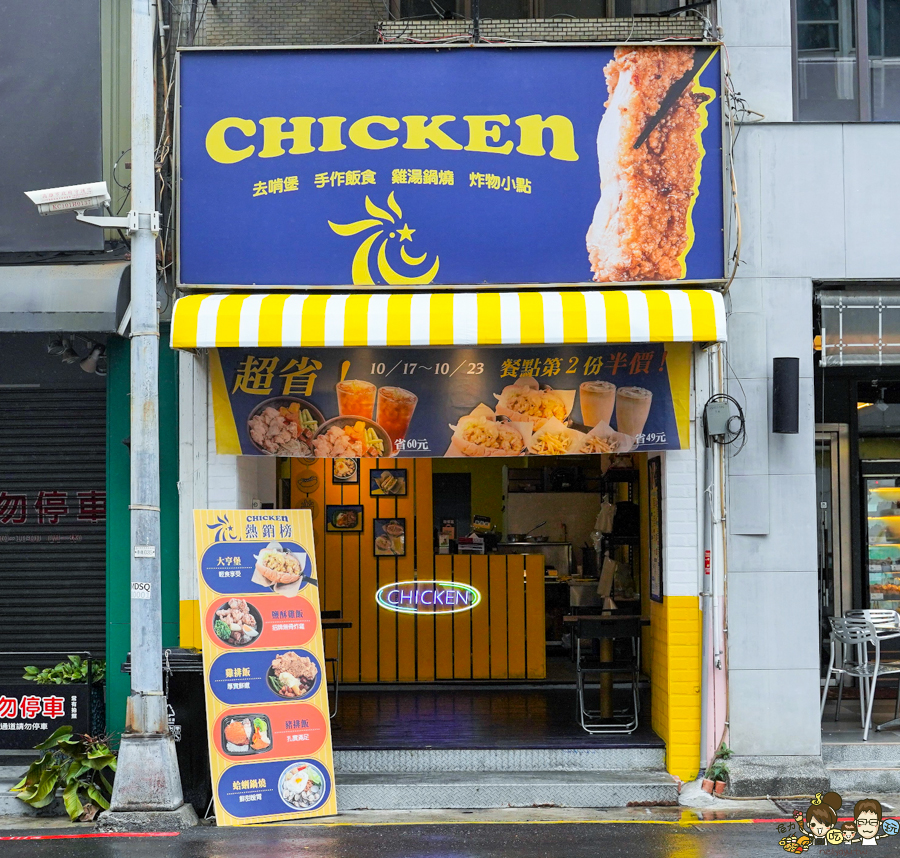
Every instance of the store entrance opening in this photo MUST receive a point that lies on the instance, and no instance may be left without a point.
(459, 583)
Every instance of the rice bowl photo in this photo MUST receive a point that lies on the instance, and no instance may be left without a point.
(303, 786)
(284, 426)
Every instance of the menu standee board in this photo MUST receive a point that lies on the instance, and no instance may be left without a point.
(264, 666)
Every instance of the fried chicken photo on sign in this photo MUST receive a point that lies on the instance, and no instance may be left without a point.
(640, 226)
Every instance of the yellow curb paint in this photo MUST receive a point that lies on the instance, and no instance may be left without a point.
(681, 823)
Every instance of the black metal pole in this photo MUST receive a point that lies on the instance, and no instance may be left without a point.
(476, 32)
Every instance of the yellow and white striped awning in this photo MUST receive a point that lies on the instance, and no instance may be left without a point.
(448, 319)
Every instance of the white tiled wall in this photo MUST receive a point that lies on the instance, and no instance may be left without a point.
(681, 538)
(758, 35)
(206, 479)
(234, 481)
(683, 501)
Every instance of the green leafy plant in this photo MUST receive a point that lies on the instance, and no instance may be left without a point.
(76, 763)
(718, 768)
(717, 771)
(71, 672)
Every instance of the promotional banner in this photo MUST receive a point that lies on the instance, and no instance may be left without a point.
(450, 166)
(263, 660)
(436, 402)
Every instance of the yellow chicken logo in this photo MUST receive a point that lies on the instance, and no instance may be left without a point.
(380, 219)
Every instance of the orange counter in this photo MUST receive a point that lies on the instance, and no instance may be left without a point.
(503, 637)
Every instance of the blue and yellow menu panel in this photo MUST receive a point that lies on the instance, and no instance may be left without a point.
(263, 661)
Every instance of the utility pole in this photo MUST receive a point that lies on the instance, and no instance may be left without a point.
(147, 790)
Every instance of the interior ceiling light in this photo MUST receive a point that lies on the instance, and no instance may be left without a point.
(879, 402)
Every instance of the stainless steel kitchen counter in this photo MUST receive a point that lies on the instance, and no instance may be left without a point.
(556, 554)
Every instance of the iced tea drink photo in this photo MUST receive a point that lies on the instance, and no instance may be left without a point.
(598, 398)
(632, 409)
(395, 410)
(355, 398)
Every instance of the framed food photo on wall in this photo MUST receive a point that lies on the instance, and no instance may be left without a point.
(344, 519)
(345, 471)
(654, 486)
(389, 482)
(390, 537)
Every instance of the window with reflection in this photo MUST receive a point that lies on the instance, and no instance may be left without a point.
(843, 75)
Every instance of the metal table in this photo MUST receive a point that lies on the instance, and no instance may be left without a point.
(886, 634)
(606, 654)
(332, 622)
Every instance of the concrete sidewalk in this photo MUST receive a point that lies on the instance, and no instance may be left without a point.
(547, 815)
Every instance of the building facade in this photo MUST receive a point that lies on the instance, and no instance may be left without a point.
(736, 646)
(816, 214)
(59, 283)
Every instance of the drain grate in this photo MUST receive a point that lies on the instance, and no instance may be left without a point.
(791, 805)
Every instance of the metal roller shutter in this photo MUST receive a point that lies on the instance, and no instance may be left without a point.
(52, 521)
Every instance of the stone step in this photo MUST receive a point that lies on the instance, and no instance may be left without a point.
(501, 760)
(864, 777)
(10, 805)
(840, 753)
(448, 790)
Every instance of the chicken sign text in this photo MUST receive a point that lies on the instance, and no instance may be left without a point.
(427, 597)
(228, 140)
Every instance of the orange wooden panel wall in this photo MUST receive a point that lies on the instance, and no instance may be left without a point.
(502, 638)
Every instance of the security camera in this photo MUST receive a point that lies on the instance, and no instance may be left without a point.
(70, 198)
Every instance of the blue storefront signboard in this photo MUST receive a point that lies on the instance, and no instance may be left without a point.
(450, 166)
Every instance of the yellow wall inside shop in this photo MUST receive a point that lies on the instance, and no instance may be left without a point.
(879, 448)
(659, 687)
(487, 484)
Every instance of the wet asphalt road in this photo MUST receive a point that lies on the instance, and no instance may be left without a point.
(508, 840)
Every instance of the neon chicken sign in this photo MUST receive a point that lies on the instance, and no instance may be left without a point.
(427, 597)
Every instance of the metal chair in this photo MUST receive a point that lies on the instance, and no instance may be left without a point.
(855, 636)
(881, 618)
(586, 664)
(887, 622)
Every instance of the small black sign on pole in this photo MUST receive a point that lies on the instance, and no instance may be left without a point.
(30, 713)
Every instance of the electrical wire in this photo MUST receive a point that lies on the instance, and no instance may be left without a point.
(734, 375)
(739, 433)
(169, 38)
(737, 114)
(116, 166)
